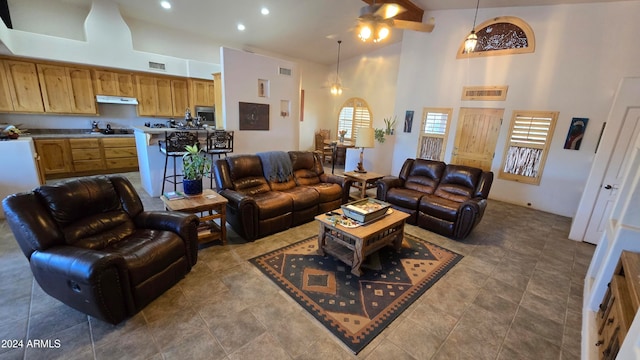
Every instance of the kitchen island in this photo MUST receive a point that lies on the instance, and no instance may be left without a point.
(151, 160)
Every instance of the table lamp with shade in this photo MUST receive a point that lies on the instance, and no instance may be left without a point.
(364, 139)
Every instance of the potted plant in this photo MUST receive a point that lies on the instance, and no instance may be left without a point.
(390, 124)
(194, 166)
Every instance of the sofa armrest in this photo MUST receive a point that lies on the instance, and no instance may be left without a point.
(385, 184)
(242, 213)
(87, 280)
(469, 215)
(344, 182)
(237, 200)
(183, 224)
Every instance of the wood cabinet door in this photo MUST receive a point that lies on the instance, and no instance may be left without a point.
(56, 92)
(105, 82)
(24, 86)
(55, 155)
(217, 95)
(180, 98)
(165, 99)
(125, 85)
(5, 94)
(82, 98)
(147, 95)
(202, 93)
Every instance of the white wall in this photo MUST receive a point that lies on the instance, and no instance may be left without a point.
(241, 71)
(582, 52)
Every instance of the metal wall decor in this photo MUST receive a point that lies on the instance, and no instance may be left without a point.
(504, 35)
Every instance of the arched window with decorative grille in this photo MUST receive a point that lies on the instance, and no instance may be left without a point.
(354, 113)
(503, 35)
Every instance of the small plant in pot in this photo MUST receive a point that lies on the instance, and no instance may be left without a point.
(194, 166)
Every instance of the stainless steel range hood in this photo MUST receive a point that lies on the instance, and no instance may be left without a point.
(104, 99)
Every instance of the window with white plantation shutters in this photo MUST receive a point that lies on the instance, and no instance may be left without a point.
(353, 114)
(526, 151)
(433, 133)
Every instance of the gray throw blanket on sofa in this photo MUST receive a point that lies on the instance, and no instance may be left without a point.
(276, 165)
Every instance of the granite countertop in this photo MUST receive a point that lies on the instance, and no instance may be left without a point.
(74, 133)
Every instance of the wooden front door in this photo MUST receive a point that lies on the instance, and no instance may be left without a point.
(476, 137)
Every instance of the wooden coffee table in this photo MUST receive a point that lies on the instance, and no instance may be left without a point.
(353, 245)
(211, 206)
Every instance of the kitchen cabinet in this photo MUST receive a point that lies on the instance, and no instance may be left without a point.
(66, 90)
(86, 154)
(201, 93)
(161, 96)
(180, 97)
(217, 84)
(113, 83)
(120, 153)
(20, 81)
(55, 156)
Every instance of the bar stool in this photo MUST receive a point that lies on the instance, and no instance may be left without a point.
(174, 146)
(219, 142)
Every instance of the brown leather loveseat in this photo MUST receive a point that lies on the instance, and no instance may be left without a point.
(260, 205)
(91, 245)
(447, 199)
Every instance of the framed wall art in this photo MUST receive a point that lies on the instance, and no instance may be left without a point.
(576, 133)
(253, 116)
(408, 121)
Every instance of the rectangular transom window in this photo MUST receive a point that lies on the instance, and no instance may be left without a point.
(527, 146)
(433, 133)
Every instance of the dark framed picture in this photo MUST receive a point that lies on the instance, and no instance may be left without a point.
(408, 121)
(576, 133)
(253, 116)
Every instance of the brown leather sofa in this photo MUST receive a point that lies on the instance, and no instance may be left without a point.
(447, 199)
(91, 245)
(259, 207)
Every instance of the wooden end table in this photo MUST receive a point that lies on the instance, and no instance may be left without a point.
(363, 181)
(353, 245)
(210, 203)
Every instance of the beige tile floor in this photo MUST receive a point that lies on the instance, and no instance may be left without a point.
(517, 294)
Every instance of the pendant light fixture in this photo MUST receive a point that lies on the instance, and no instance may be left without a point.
(336, 88)
(472, 39)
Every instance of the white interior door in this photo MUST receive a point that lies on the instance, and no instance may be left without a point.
(613, 176)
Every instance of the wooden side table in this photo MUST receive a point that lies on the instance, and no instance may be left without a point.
(211, 206)
(363, 181)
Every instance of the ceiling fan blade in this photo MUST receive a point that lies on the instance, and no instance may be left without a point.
(414, 25)
(384, 11)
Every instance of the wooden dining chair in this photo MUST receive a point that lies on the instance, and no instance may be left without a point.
(325, 150)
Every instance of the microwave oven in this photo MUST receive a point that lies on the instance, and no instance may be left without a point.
(207, 113)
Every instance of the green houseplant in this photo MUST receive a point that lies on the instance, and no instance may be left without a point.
(390, 123)
(194, 166)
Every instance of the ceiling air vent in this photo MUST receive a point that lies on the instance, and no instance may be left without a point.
(284, 71)
(489, 93)
(157, 66)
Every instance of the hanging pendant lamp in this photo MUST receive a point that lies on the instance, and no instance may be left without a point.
(336, 88)
(472, 39)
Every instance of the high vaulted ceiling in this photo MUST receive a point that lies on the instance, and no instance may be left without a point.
(303, 29)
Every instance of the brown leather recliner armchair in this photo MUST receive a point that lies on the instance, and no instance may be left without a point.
(91, 245)
(447, 199)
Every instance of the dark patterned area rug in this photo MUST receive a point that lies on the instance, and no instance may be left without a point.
(356, 309)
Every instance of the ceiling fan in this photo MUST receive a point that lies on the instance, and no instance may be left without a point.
(377, 19)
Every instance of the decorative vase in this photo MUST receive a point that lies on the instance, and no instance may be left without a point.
(192, 187)
(341, 138)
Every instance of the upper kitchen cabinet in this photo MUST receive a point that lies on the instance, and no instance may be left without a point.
(113, 83)
(201, 93)
(179, 97)
(161, 96)
(19, 87)
(66, 90)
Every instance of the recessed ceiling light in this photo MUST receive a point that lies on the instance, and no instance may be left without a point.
(165, 4)
(241, 27)
(264, 11)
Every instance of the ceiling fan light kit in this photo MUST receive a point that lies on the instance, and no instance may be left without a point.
(376, 21)
(472, 40)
